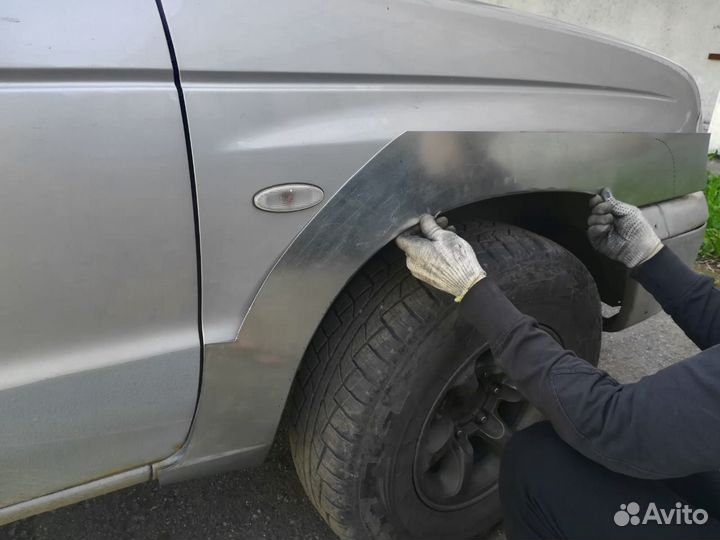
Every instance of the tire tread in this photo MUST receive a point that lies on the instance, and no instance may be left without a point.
(350, 358)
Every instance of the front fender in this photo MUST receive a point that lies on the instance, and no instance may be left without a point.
(246, 381)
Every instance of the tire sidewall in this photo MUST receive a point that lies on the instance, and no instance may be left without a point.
(556, 292)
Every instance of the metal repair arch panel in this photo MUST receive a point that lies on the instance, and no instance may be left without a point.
(246, 381)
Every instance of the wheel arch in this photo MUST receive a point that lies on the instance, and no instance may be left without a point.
(497, 174)
(560, 216)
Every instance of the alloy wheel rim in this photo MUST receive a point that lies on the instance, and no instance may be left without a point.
(457, 456)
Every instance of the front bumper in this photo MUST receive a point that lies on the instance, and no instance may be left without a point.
(680, 224)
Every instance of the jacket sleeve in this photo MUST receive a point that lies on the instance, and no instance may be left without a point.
(691, 299)
(666, 425)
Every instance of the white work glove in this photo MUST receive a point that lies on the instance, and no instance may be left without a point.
(440, 258)
(620, 231)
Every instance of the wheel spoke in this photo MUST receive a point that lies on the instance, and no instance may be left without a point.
(467, 454)
(436, 443)
(487, 371)
(455, 468)
(438, 434)
(494, 431)
(463, 397)
(458, 455)
(505, 392)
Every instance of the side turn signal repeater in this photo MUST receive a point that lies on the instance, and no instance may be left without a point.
(288, 197)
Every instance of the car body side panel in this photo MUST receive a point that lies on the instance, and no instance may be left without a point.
(254, 39)
(110, 38)
(99, 343)
(308, 91)
(250, 136)
(246, 381)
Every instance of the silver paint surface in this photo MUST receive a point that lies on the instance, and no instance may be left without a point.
(74, 494)
(246, 381)
(309, 91)
(99, 347)
(109, 39)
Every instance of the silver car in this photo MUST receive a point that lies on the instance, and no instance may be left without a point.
(197, 212)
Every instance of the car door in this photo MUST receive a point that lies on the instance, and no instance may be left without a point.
(99, 334)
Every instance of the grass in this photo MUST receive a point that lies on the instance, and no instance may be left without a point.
(711, 245)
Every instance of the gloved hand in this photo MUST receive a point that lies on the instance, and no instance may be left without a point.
(620, 231)
(440, 258)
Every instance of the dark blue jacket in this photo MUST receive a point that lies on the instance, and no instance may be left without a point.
(665, 425)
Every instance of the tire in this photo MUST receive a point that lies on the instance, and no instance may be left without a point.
(384, 370)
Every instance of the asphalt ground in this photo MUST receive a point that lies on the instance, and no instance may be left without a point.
(268, 502)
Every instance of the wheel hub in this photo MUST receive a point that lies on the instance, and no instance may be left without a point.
(457, 457)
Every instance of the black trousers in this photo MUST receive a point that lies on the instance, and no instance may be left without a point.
(548, 490)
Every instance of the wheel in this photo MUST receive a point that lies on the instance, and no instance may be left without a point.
(398, 415)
